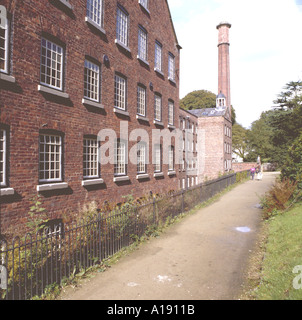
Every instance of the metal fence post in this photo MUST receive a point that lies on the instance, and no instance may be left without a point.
(154, 211)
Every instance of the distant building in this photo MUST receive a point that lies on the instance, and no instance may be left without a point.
(216, 123)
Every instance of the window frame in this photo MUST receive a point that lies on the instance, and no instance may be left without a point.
(158, 64)
(123, 156)
(142, 49)
(157, 107)
(3, 182)
(95, 16)
(122, 30)
(171, 158)
(98, 86)
(5, 26)
(62, 54)
(96, 164)
(171, 117)
(141, 101)
(171, 67)
(120, 101)
(144, 4)
(157, 158)
(60, 161)
(141, 159)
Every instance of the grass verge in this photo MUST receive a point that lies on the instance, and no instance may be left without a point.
(279, 251)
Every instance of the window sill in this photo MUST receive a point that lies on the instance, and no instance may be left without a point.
(171, 126)
(121, 178)
(54, 92)
(7, 192)
(66, 4)
(158, 174)
(143, 118)
(142, 176)
(159, 72)
(95, 25)
(146, 9)
(158, 123)
(172, 80)
(120, 111)
(52, 186)
(118, 42)
(8, 78)
(92, 182)
(143, 60)
(171, 173)
(92, 103)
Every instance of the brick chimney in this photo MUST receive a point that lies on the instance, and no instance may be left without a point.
(224, 62)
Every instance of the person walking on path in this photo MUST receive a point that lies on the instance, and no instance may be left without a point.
(258, 172)
(253, 172)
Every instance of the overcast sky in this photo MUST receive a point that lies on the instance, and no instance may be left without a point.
(265, 51)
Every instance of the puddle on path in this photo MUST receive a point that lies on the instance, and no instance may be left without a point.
(243, 229)
(160, 278)
(258, 206)
(132, 284)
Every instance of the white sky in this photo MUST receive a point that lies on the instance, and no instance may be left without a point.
(265, 51)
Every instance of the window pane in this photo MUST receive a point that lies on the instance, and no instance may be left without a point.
(51, 64)
(90, 158)
(50, 158)
(2, 157)
(120, 92)
(95, 11)
(91, 81)
(141, 101)
(157, 108)
(142, 44)
(122, 27)
(4, 45)
(120, 158)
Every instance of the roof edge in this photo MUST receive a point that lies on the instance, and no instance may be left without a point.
(171, 20)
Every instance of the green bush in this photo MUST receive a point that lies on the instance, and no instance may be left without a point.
(278, 197)
(292, 168)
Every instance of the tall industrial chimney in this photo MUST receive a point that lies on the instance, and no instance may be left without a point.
(224, 62)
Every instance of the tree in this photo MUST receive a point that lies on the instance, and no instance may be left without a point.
(239, 141)
(259, 139)
(292, 167)
(292, 97)
(199, 99)
(271, 135)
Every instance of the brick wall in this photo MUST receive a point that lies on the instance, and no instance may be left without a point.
(214, 152)
(26, 112)
(241, 166)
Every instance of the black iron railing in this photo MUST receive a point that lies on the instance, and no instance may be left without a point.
(31, 264)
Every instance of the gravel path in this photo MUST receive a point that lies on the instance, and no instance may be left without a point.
(202, 257)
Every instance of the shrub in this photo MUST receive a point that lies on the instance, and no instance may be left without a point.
(278, 197)
(292, 168)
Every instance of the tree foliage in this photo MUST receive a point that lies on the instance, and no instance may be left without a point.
(201, 99)
(278, 129)
(292, 167)
(198, 99)
(240, 141)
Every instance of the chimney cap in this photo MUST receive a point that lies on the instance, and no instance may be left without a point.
(223, 23)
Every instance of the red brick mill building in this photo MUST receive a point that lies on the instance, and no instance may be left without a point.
(69, 69)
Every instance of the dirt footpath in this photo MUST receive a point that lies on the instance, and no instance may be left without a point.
(202, 257)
